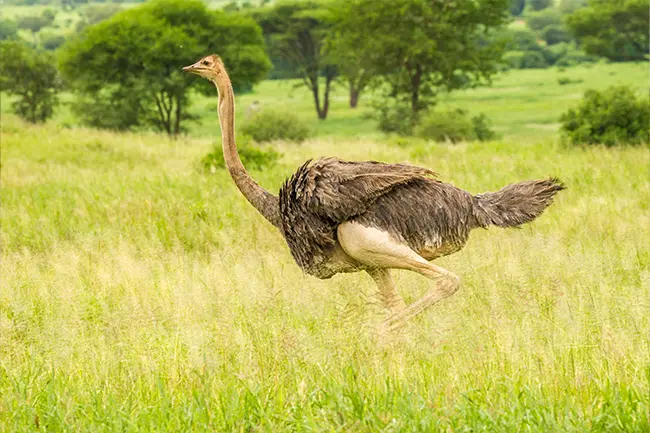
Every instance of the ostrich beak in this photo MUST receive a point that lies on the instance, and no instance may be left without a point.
(194, 69)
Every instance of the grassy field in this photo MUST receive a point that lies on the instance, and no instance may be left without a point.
(140, 294)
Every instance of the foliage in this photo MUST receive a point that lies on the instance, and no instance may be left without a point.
(52, 41)
(393, 116)
(517, 7)
(252, 156)
(483, 127)
(8, 29)
(520, 40)
(110, 107)
(139, 52)
(93, 14)
(613, 116)
(537, 21)
(418, 61)
(617, 30)
(32, 77)
(570, 6)
(269, 125)
(34, 23)
(538, 5)
(568, 55)
(356, 75)
(525, 52)
(454, 125)
(295, 32)
(525, 59)
(555, 34)
(563, 81)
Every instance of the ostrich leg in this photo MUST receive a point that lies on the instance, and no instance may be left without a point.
(377, 248)
(387, 291)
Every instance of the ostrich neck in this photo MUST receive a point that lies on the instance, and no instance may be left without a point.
(265, 202)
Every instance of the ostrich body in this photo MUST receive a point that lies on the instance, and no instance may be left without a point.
(342, 216)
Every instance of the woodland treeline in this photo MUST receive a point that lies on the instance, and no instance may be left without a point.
(122, 63)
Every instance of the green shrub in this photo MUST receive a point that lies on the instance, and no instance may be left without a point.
(482, 127)
(252, 156)
(454, 125)
(51, 42)
(574, 57)
(393, 117)
(268, 125)
(525, 59)
(610, 117)
(520, 40)
(566, 54)
(537, 21)
(555, 34)
(538, 5)
(563, 81)
(514, 59)
(533, 60)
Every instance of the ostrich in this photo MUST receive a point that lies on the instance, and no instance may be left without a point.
(347, 216)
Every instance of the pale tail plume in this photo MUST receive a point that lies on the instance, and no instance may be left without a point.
(515, 204)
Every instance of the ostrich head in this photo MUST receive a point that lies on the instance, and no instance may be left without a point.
(210, 67)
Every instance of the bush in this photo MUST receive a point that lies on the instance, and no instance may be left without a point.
(252, 157)
(268, 125)
(573, 57)
(537, 21)
(538, 5)
(482, 128)
(566, 54)
(394, 117)
(51, 42)
(555, 34)
(454, 125)
(562, 81)
(520, 40)
(513, 59)
(525, 59)
(610, 117)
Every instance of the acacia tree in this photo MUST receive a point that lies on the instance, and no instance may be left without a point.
(617, 30)
(352, 70)
(296, 32)
(422, 47)
(127, 69)
(30, 75)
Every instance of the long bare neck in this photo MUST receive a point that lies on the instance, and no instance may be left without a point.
(266, 203)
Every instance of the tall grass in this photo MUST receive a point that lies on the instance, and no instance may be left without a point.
(140, 294)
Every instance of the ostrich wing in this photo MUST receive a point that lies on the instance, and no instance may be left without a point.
(340, 189)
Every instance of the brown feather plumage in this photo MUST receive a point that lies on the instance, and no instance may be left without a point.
(431, 217)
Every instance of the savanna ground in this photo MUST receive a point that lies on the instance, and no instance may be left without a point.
(140, 293)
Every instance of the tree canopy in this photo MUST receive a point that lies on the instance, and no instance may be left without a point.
(8, 30)
(32, 76)
(617, 29)
(128, 68)
(296, 32)
(420, 48)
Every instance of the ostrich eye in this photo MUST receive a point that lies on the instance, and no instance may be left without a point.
(205, 63)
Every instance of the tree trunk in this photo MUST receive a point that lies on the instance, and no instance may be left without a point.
(177, 117)
(326, 99)
(314, 91)
(416, 79)
(354, 95)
